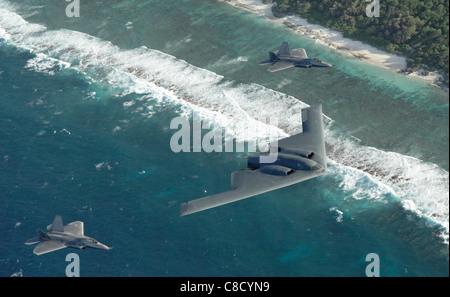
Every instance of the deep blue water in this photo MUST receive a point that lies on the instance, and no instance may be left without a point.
(85, 111)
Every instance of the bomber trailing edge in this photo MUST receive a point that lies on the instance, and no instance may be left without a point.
(299, 157)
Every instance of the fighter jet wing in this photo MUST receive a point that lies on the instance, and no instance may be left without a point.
(48, 246)
(277, 66)
(75, 228)
(300, 157)
(299, 53)
(319, 63)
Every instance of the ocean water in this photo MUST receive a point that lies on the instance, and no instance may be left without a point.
(85, 111)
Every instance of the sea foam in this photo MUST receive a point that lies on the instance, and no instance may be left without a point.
(422, 187)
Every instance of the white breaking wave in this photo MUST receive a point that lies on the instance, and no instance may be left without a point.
(370, 173)
(43, 63)
(422, 187)
(360, 184)
(340, 215)
(227, 61)
(147, 71)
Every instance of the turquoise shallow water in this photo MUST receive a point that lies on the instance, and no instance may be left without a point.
(84, 132)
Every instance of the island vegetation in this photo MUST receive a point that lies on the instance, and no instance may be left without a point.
(418, 30)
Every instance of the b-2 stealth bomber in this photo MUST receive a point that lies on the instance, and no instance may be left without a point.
(59, 237)
(297, 158)
(284, 58)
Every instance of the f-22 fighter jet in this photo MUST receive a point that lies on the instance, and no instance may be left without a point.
(285, 58)
(59, 237)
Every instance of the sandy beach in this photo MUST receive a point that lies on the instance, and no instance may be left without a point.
(336, 40)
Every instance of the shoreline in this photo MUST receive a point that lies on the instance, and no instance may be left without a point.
(379, 58)
(335, 40)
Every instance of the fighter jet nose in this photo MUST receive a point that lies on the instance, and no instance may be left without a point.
(105, 247)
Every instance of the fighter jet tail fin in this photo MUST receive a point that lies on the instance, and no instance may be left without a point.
(57, 224)
(284, 49)
(33, 240)
(42, 235)
(273, 57)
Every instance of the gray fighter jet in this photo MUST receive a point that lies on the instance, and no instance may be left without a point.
(284, 59)
(298, 158)
(59, 237)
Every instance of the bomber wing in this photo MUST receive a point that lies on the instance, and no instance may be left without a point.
(300, 157)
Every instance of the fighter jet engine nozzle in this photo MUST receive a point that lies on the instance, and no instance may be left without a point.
(276, 170)
(300, 152)
(295, 162)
